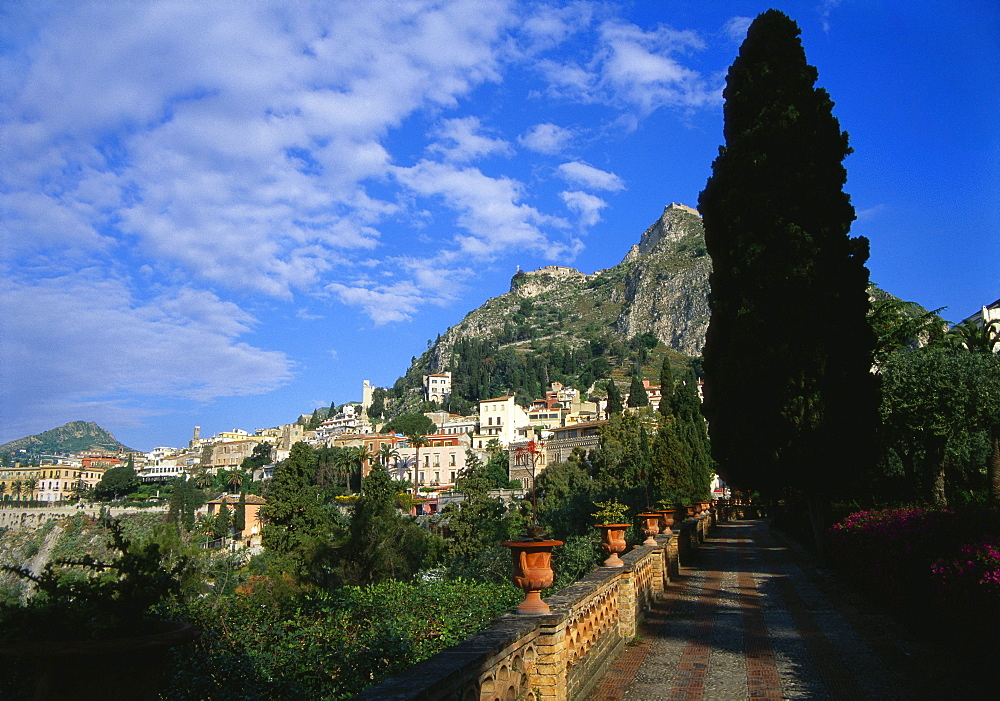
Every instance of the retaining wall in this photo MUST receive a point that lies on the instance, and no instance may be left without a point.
(558, 656)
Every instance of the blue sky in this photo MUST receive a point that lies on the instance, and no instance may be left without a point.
(227, 214)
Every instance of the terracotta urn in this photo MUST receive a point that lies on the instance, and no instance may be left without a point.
(613, 542)
(650, 527)
(666, 521)
(532, 572)
(691, 510)
(705, 506)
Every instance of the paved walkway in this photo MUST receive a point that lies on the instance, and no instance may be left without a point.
(756, 620)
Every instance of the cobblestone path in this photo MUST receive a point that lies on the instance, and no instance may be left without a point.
(756, 620)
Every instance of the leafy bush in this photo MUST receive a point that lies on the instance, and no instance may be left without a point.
(324, 645)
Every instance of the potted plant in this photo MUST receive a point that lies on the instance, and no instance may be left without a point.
(666, 512)
(650, 526)
(85, 613)
(611, 521)
(532, 552)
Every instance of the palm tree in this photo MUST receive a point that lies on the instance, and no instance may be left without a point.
(234, 480)
(387, 452)
(971, 336)
(344, 461)
(30, 485)
(418, 441)
(15, 489)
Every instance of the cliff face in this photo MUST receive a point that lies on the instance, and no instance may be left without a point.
(666, 286)
(661, 286)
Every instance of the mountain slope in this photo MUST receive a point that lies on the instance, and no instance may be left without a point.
(69, 438)
(559, 323)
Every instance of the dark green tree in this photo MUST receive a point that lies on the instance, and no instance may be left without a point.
(665, 406)
(240, 515)
(615, 406)
(637, 393)
(900, 325)
(116, 482)
(260, 456)
(693, 436)
(414, 424)
(221, 522)
(789, 395)
(382, 544)
(477, 522)
(934, 400)
(293, 517)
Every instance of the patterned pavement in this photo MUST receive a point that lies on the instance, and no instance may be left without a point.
(755, 619)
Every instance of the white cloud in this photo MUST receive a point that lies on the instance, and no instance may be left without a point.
(239, 152)
(546, 138)
(736, 28)
(83, 342)
(460, 140)
(635, 69)
(489, 209)
(825, 10)
(870, 213)
(594, 178)
(548, 26)
(587, 206)
(382, 303)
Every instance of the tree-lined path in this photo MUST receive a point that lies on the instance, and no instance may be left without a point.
(756, 620)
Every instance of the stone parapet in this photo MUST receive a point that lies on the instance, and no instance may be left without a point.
(558, 656)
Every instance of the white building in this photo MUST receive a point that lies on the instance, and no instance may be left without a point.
(499, 418)
(437, 387)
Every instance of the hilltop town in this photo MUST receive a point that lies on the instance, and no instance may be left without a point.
(557, 423)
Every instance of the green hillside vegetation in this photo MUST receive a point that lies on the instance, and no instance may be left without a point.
(68, 438)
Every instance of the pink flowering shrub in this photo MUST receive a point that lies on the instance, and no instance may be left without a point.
(888, 551)
(967, 585)
(918, 559)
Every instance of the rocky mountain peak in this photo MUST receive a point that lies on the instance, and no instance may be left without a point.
(672, 226)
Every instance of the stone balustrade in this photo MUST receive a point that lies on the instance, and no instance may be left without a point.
(558, 656)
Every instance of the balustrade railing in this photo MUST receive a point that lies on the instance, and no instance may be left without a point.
(558, 656)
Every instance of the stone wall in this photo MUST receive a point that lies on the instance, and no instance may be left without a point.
(559, 656)
(16, 518)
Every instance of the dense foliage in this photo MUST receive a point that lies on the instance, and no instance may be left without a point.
(789, 393)
(258, 644)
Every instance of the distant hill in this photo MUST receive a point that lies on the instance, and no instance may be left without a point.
(69, 438)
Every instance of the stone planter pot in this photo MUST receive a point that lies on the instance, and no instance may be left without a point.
(691, 510)
(705, 506)
(613, 542)
(116, 669)
(650, 527)
(666, 521)
(532, 572)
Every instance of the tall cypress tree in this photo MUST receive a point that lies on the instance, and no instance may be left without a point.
(614, 400)
(666, 388)
(637, 393)
(789, 395)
